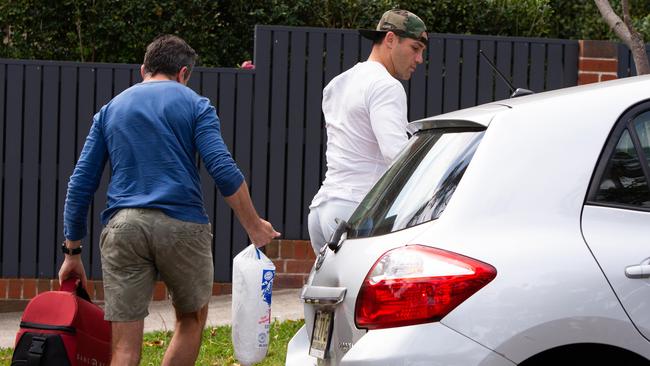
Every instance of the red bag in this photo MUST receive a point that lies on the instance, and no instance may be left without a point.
(63, 328)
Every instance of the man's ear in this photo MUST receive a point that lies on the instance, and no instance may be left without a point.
(390, 39)
(142, 71)
(183, 75)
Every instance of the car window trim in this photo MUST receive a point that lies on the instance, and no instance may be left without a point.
(622, 206)
(604, 160)
(643, 160)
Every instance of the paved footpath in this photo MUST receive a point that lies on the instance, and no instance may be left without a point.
(286, 305)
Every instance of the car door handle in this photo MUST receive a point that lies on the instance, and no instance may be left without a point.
(639, 271)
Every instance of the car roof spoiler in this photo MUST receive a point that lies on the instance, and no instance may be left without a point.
(428, 124)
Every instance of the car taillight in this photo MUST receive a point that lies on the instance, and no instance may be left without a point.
(417, 284)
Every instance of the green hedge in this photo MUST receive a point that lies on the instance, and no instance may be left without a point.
(222, 31)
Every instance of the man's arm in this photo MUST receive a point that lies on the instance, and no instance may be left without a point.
(387, 106)
(81, 188)
(259, 231)
(223, 169)
(72, 264)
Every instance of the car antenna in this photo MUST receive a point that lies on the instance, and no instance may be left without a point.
(515, 92)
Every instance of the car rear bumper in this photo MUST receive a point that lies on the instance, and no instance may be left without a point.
(426, 344)
(298, 350)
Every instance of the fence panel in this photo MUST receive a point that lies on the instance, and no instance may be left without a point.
(350, 49)
(278, 129)
(452, 75)
(571, 52)
(67, 154)
(296, 131)
(626, 66)
(313, 123)
(435, 75)
(47, 229)
(520, 65)
(11, 204)
(537, 67)
(417, 91)
(555, 71)
(468, 75)
(29, 191)
(261, 117)
(332, 68)
(121, 80)
(243, 148)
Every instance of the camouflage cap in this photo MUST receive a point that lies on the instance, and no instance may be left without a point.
(401, 22)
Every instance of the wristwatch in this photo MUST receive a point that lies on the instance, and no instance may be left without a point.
(74, 251)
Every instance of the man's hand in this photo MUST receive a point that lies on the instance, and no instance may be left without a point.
(72, 265)
(260, 231)
(262, 234)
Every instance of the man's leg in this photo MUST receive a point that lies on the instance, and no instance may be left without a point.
(128, 277)
(186, 342)
(184, 260)
(315, 231)
(126, 343)
(330, 211)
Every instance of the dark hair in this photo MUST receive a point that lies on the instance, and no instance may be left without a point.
(167, 54)
(379, 38)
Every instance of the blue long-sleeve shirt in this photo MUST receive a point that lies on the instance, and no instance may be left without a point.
(150, 134)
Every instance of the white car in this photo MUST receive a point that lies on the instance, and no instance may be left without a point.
(511, 233)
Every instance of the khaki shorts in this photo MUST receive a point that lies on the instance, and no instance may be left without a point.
(137, 245)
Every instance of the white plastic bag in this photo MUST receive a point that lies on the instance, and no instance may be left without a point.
(252, 286)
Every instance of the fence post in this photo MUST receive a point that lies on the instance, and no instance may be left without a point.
(598, 61)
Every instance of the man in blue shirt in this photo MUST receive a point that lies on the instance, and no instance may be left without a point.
(155, 219)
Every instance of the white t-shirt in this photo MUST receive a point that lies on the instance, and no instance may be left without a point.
(365, 115)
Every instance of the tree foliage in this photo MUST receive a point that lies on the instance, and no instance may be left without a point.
(222, 31)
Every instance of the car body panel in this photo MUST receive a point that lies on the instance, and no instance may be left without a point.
(619, 238)
(298, 350)
(481, 115)
(518, 208)
(421, 345)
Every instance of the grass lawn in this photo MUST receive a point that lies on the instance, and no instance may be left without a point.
(216, 349)
(5, 356)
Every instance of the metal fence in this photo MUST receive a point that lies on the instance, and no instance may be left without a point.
(271, 120)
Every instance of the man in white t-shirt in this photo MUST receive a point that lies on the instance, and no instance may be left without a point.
(365, 116)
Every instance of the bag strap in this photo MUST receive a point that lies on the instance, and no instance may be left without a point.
(73, 284)
(36, 351)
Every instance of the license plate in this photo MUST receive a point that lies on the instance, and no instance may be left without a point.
(321, 334)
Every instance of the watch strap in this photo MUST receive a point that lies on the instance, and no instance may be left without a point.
(69, 251)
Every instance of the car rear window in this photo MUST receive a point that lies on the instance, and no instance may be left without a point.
(419, 184)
